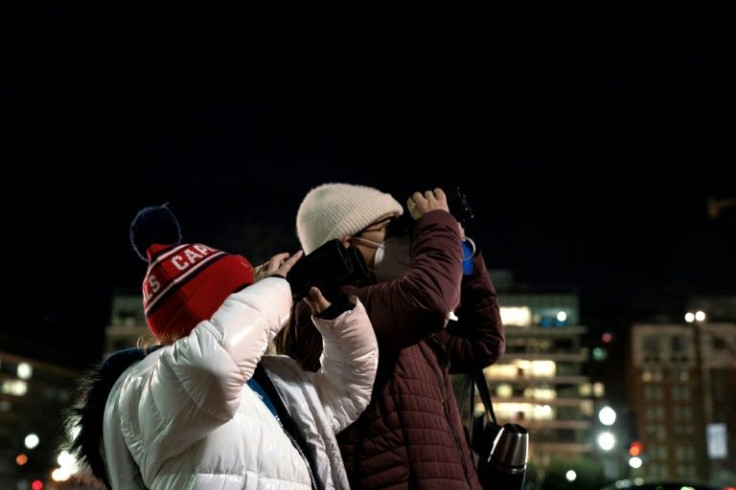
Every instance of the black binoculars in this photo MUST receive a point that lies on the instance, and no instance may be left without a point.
(328, 267)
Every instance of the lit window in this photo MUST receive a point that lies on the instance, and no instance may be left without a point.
(519, 316)
(599, 389)
(25, 371)
(15, 387)
(543, 368)
(504, 390)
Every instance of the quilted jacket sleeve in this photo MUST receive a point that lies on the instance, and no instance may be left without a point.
(195, 383)
(477, 338)
(348, 365)
(407, 310)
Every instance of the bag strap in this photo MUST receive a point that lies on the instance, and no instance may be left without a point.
(476, 380)
(485, 395)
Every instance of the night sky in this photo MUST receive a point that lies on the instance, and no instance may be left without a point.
(587, 137)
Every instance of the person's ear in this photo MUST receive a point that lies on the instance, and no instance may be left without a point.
(346, 241)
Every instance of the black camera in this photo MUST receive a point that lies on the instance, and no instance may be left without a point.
(328, 267)
(458, 204)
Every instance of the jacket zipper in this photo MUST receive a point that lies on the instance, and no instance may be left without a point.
(301, 453)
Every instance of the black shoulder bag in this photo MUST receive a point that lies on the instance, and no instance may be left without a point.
(501, 451)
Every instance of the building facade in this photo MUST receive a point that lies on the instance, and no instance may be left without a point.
(540, 381)
(128, 326)
(683, 392)
(34, 396)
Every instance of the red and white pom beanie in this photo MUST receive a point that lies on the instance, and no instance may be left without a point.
(185, 283)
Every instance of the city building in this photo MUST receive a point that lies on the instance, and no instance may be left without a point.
(128, 325)
(34, 396)
(540, 382)
(683, 391)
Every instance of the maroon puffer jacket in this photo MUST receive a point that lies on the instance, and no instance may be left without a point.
(411, 435)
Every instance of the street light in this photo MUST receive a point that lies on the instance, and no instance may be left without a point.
(606, 441)
(607, 416)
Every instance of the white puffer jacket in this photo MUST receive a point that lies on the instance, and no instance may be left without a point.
(184, 417)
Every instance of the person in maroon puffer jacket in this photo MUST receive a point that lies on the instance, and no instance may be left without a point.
(428, 316)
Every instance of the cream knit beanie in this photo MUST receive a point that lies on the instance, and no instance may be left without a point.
(335, 210)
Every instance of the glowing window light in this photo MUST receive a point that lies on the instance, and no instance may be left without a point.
(519, 316)
(587, 407)
(24, 371)
(599, 389)
(544, 368)
(504, 390)
(540, 393)
(585, 389)
(512, 411)
(542, 412)
(497, 371)
(16, 387)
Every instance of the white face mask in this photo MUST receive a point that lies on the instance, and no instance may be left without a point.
(392, 258)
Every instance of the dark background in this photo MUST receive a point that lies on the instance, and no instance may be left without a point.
(587, 136)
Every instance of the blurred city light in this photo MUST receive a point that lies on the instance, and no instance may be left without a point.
(67, 467)
(698, 316)
(66, 459)
(635, 462)
(60, 474)
(505, 390)
(606, 441)
(599, 353)
(607, 416)
(31, 441)
(520, 316)
(571, 475)
(24, 371)
(635, 449)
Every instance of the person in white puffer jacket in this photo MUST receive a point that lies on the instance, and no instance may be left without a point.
(208, 409)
